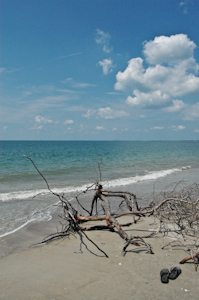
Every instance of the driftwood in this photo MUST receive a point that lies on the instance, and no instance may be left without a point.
(174, 206)
(179, 213)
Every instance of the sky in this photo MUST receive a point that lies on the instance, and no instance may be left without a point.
(99, 70)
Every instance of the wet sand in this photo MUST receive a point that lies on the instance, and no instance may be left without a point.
(71, 269)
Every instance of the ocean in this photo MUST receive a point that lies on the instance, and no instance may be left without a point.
(71, 166)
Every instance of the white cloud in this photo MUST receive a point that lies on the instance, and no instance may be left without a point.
(81, 84)
(157, 128)
(196, 130)
(44, 120)
(103, 38)
(150, 99)
(67, 122)
(74, 84)
(180, 127)
(37, 127)
(90, 113)
(105, 113)
(165, 49)
(184, 5)
(172, 74)
(2, 70)
(177, 106)
(69, 129)
(109, 113)
(107, 65)
(64, 56)
(113, 93)
(191, 112)
(100, 128)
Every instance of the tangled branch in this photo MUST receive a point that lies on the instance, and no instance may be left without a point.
(176, 208)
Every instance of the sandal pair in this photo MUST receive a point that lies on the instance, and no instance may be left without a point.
(166, 275)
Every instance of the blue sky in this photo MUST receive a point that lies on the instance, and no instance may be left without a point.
(99, 70)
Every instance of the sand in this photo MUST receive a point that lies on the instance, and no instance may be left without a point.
(73, 270)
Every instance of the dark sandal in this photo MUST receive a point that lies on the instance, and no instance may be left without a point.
(164, 274)
(174, 273)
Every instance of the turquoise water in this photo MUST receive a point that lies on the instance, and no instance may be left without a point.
(70, 166)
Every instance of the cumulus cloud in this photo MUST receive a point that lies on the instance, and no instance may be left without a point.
(100, 128)
(67, 122)
(105, 113)
(165, 49)
(150, 99)
(177, 106)
(69, 129)
(107, 65)
(109, 113)
(90, 113)
(180, 127)
(103, 38)
(44, 120)
(171, 73)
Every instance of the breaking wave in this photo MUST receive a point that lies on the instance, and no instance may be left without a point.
(20, 195)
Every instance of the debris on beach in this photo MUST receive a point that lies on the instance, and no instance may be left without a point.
(176, 208)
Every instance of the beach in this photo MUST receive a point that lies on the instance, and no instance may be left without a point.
(71, 269)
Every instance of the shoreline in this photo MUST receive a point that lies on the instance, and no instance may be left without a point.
(73, 268)
(37, 230)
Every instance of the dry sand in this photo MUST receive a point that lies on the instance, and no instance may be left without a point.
(74, 270)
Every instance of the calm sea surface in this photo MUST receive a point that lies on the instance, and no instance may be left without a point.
(71, 166)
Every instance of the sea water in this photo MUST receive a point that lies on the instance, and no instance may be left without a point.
(71, 166)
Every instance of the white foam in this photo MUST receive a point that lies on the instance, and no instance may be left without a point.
(44, 217)
(187, 167)
(149, 176)
(20, 195)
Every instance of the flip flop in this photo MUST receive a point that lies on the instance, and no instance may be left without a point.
(174, 273)
(164, 274)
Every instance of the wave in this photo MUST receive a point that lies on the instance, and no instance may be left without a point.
(37, 216)
(149, 176)
(187, 167)
(20, 195)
